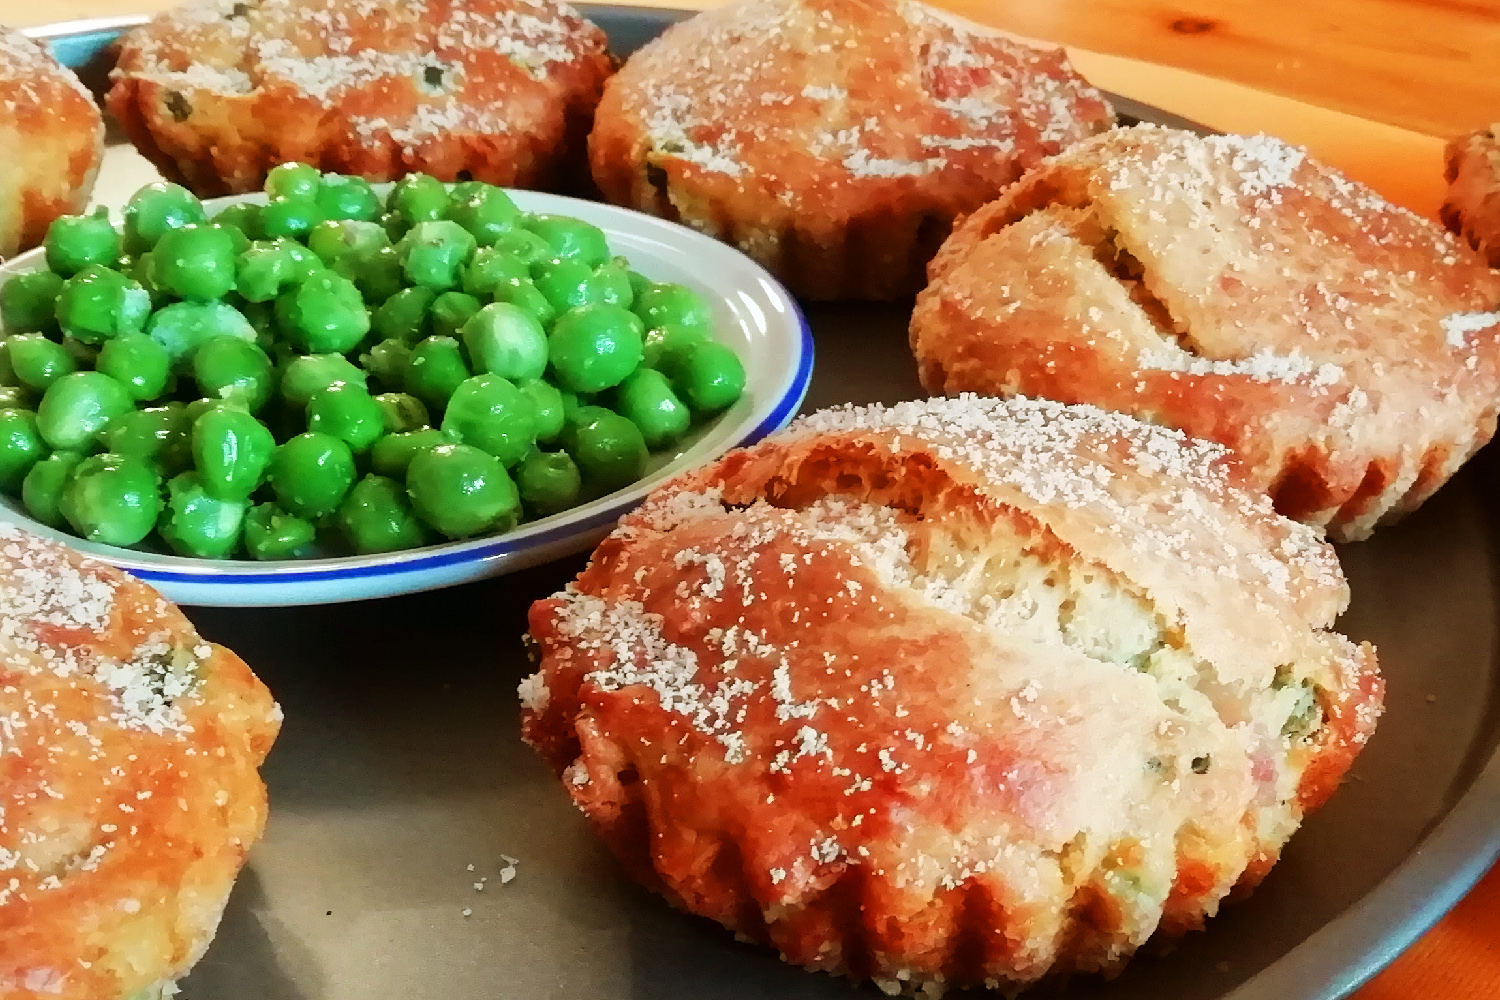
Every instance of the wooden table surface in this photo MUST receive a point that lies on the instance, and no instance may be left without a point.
(1372, 86)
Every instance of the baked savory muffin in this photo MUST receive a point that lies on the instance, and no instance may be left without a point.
(128, 785)
(1233, 288)
(955, 692)
(51, 142)
(834, 141)
(1472, 207)
(216, 92)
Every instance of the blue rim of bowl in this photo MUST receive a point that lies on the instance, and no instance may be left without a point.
(781, 415)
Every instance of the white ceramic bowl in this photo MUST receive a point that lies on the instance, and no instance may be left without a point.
(755, 316)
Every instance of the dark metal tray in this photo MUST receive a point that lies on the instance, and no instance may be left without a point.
(400, 767)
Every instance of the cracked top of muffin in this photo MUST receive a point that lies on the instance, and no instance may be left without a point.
(53, 137)
(1346, 349)
(129, 748)
(964, 691)
(217, 91)
(768, 121)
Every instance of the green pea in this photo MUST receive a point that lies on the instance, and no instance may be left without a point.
(646, 399)
(403, 316)
(546, 407)
(97, 303)
(308, 373)
(674, 305)
(323, 314)
(436, 369)
(610, 284)
(506, 340)
(434, 253)
(28, 302)
(711, 378)
(491, 414)
(42, 489)
(231, 451)
(461, 491)
(638, 281)
(237, 239)
(377, 274)
(525, 245)
(112, 499)
(180, 327)
(293, 180)
(231, 368)
(37, 361)
(549, 482)
(450, 311)
(343, 197)
(486, 212)
(271, 533)
(76, 408)
(419, 198)
(196, 523)
(312, 473)
(195, 263)
(594, 347)
(393, 453)
(525, 295)
(75, 242)
(401, 413)
(157, 208)
(665, 347)
(571, 239)
(377, 516)
(138, 363)
(21, 447)
(563, 282)
(334, 240)
(387, 361)
(290, 217)
(158, 435)
(609, 449)
(268, 267)
(348, 413)
(490, 268)
(244, 216)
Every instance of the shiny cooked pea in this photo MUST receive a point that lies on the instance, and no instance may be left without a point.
(595, 347)
(98, 303)
(113, 499)
(271, 533)
(75, 242)
(138, 363)
(196, 263)
(461, 491)
(506, 340)
(231, 451)
(549, 482)
(21, 447)
(156, 209)
(28, 302)
(393, 453)
(41, 491)
(377, 516)
(308, 373)
(37, 361)
(196, 523)
(491, 414)
(76, 408)
(311, 474)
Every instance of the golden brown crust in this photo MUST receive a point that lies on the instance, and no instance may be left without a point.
(834, 141)
(216, 92)
(955, 692)
(1347, 350)
(51, 142)
(1472, 206)
(128, 786)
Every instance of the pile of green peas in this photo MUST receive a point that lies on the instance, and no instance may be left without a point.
(336, 372)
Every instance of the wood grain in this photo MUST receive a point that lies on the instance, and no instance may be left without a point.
(1428, 65)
